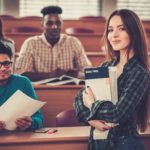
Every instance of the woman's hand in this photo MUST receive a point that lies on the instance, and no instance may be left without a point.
(2, 125)
(99, 124)
(88, 97)
(24, 122)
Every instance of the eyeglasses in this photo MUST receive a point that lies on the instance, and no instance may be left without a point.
(5, 64)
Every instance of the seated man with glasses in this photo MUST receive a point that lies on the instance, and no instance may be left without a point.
(9, 84)
(52, 53)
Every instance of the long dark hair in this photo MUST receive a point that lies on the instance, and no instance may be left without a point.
(1, 30)
(138, 44)
(5, 49)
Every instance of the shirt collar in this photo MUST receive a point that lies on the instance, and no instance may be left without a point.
(62, 38)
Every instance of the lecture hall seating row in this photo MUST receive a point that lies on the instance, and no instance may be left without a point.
(90, 42)
(34, 21)
(66, 138)
(58, 98)
(95, 24)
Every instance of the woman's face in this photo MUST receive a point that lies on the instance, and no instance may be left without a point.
(117, 35)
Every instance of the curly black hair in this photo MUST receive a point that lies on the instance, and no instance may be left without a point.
(51, 9)
(5, 49)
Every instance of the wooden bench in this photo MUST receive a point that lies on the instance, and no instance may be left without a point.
(96, 25)
(89, 41)
(66, 138)
(58, 98)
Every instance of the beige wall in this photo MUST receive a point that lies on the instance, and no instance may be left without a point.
(10, 7)
(108, 7)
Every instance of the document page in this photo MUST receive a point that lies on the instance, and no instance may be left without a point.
(113, 84)
(18, 105)
(98, 80)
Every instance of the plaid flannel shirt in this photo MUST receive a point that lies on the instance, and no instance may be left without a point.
(37, 55)
(133, 85)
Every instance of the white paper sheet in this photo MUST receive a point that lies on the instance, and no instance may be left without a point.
(100, 87)
(113, 84)
(18, 105)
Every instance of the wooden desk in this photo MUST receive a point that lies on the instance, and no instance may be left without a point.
(96, 25)
(58, 98)
(69, 138)
(96, 58)
(146, 24)
(92, 41)
(19, 38)
(148, 41)
(89, 41)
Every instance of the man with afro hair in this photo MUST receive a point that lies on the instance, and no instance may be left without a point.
(52, 54)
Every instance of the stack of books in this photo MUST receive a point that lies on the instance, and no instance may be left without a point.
(103, 83)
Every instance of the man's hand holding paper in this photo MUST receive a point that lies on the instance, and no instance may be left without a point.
(23, 122)
(16, 111)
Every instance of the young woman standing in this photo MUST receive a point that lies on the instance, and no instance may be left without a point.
(125, 41)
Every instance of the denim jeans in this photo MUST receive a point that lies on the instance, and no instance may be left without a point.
(129, 143)
(123, 143)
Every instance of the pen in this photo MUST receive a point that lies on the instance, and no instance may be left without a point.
(51, 131)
